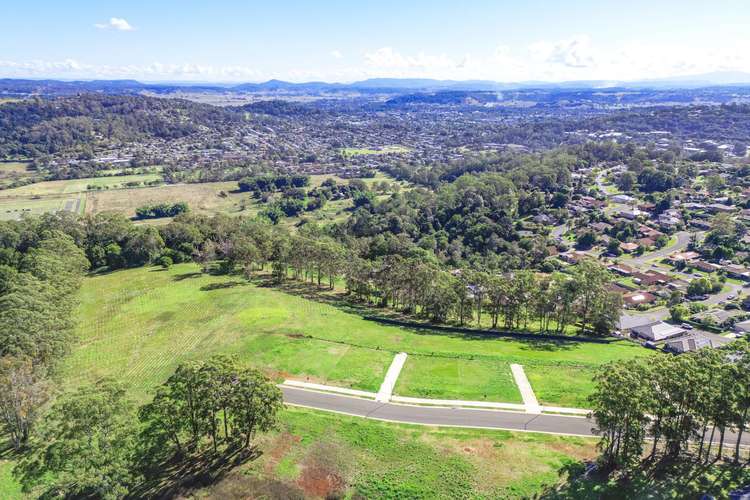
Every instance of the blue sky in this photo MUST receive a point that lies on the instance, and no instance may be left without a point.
(349, 40)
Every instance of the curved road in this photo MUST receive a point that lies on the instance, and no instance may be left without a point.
(683, 240)
(434, 415)
(450, 417)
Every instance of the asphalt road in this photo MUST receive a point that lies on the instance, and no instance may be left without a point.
(430, 415)
(453, 417)
(683, 239)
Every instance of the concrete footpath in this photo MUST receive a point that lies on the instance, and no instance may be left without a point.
(391, 376)
(527, 394)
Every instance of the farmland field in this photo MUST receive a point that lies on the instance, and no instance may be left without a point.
(206, 197)
(11, 171)
(141, 323)
(14, 208)
(78, 185)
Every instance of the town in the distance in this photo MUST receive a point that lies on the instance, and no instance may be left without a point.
(361, 272)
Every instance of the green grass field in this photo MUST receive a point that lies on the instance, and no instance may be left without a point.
(78, 185)
(14, 208)
(476, 380)
(561, 385)
(139, 324)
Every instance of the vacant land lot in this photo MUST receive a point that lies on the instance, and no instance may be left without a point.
(562, 385)
(325, 455)
(457, 378)
(139, 324)
(211, 197)
(11, 171)
(79, 185)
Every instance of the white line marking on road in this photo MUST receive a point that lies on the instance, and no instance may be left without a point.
(386, 389)
(529, 399)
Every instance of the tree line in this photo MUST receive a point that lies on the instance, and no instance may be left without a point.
(685, 404)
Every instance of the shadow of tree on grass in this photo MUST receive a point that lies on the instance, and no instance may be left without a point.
(197, 471)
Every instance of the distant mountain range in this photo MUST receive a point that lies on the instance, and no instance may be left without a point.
(373, 85)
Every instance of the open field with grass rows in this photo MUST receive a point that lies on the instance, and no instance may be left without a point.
(139, 324)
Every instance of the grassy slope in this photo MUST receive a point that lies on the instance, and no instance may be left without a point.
(313, 452)
(141, 323)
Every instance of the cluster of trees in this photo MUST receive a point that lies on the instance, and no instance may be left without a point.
(41, 269)
(686, 404)
(158, 210)
(419, 285)
(94, 443)
(269, 183)
(513, 300)
(704, 286)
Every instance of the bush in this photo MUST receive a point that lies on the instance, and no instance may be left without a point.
(165, 261)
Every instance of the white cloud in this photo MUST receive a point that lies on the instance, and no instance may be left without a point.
(336, 54)
(387, 58)
(71, 68)
(574, 58)
(574, 52)
(115, 23)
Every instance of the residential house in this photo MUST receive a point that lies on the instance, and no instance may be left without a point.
(622, 198)
(650, 278)
(635, 299)
(621, 269)
(720, 208)
(688, 343)
(737, 272)
(657, 331)
(683, 257)
(702, 265)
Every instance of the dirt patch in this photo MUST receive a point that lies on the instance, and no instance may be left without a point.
(321, 482)
(281, 447)
(579, 452)
(239, 486)
(326, 470)
(295, 336)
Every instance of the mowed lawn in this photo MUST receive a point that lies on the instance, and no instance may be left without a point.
(140, 324)
(562, 385)
(458, 378)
